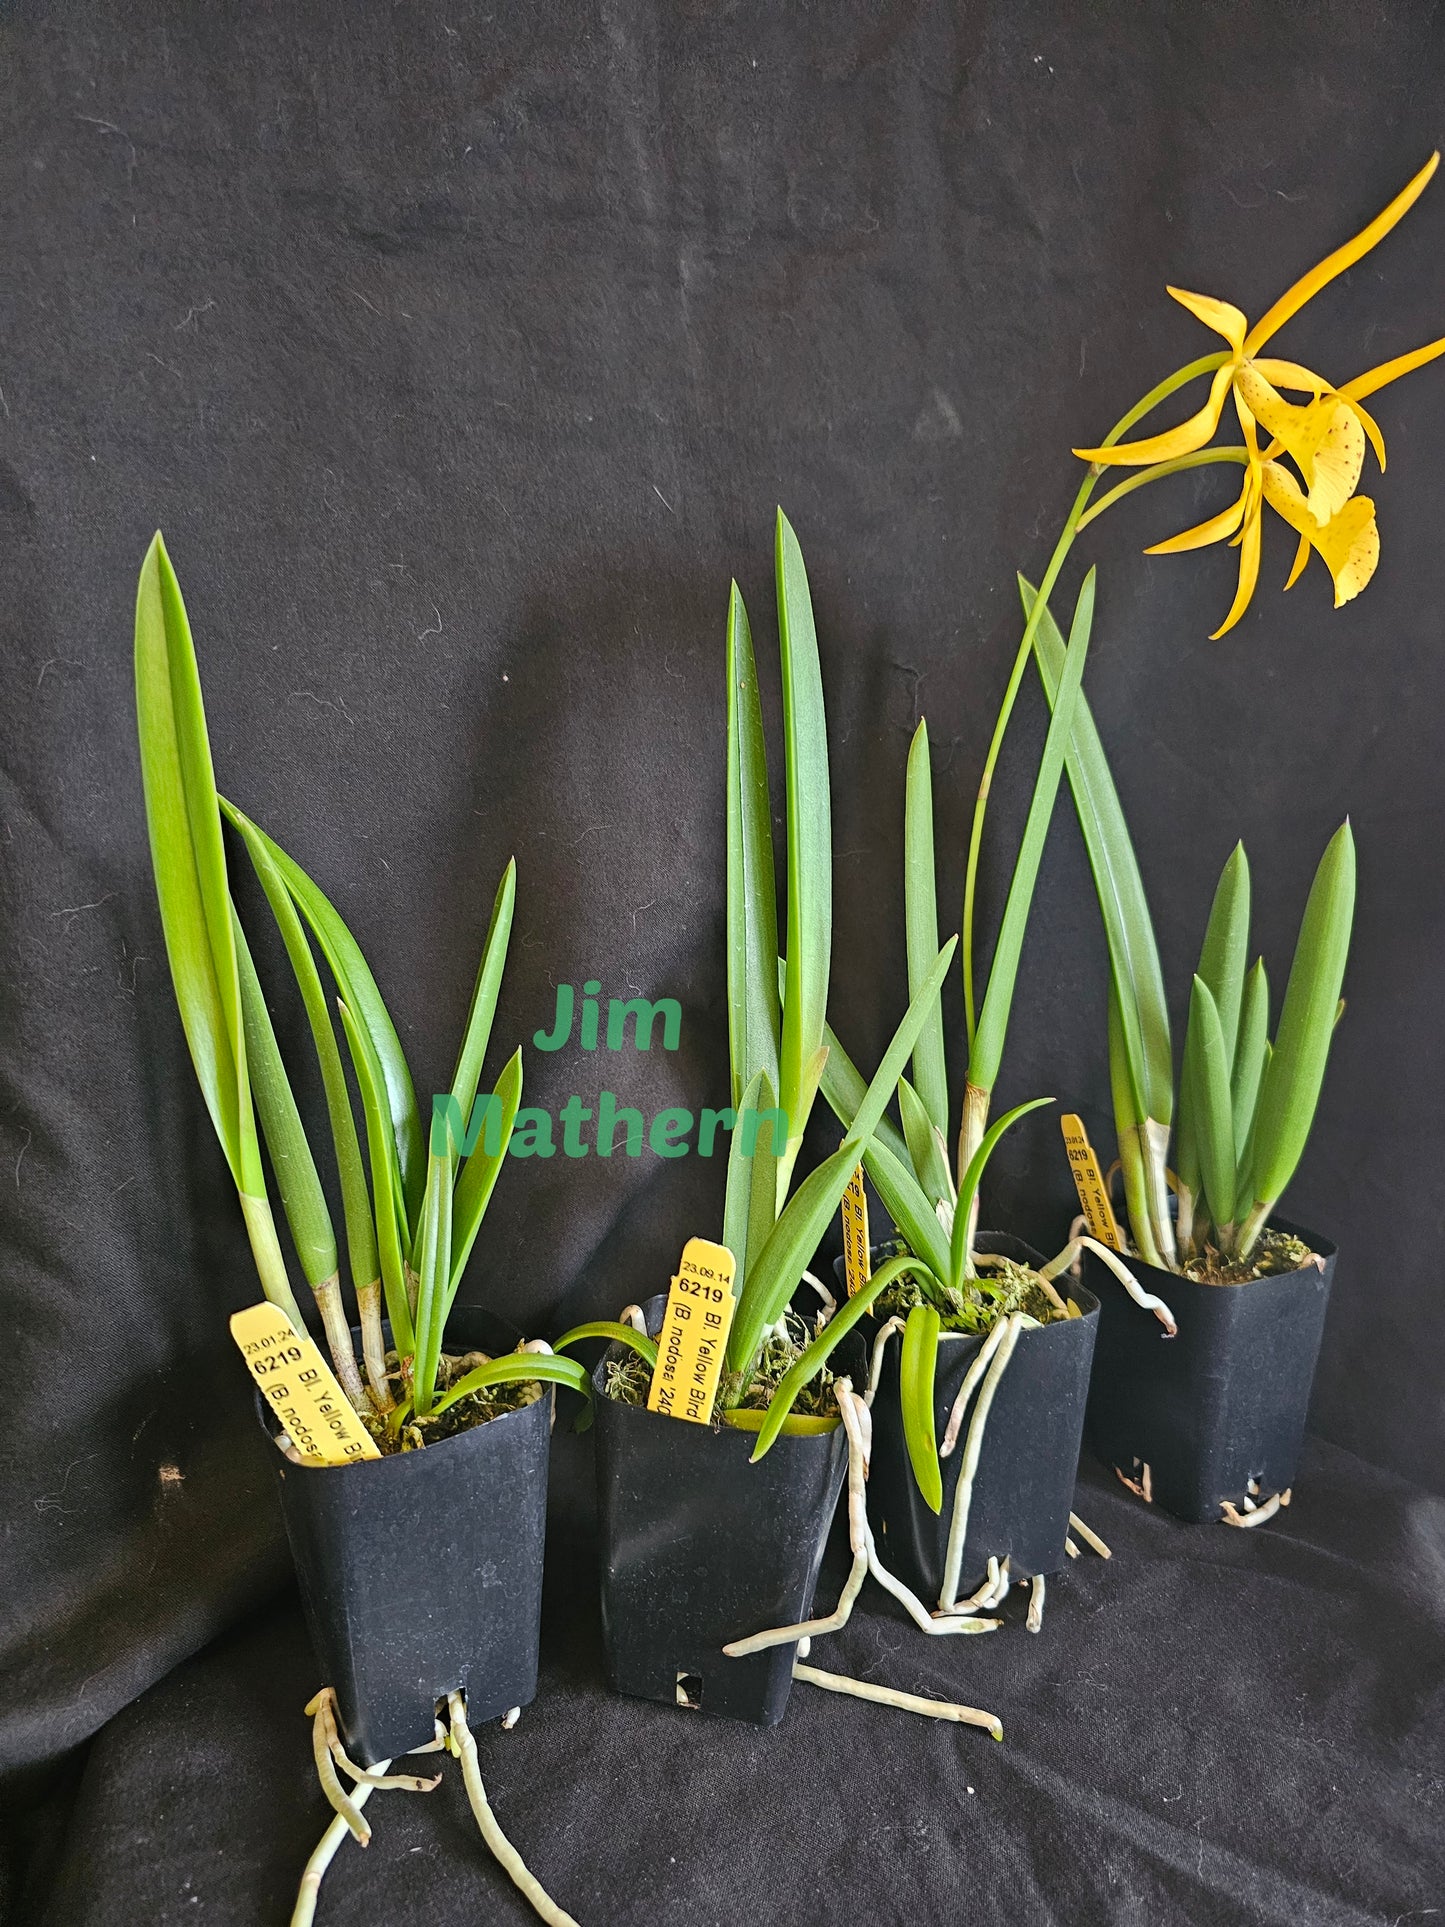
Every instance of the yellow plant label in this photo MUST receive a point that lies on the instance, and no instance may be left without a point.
(300, 1387)
(1089, 1183)
(694, 1334)
(857, 1265)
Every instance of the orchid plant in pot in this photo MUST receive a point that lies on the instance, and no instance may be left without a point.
(702, 1544)
(442, 1451)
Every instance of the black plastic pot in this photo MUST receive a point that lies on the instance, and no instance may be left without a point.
(1023, 1488)
(421, 1572)
(698, 1547)
(1224, 1403)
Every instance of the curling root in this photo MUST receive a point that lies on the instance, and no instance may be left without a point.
(304, 1912)
(1035, 1620)
(1234, 1517)
(1146, 1300)
(465, 1748)
(982, 1360)
(908, 1702)
(1142, 1487)
(1089, 1537)
(1008, 1330)
(880, 1345)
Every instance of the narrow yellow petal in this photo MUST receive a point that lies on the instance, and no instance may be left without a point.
(1222, 316)
(1301, 556)
(1214, 530)
(1372, 429)
(1248, 576)
(1388, 371)
(1291, 374)
(1309, 285)
(1183, 440)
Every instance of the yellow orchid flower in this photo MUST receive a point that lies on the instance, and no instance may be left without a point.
(1325, 431)
(1331, 519)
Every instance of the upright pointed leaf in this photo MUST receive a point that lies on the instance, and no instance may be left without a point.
(478, 1179)
(917, 1370)
(907, 1205)
(433, 1270)
(392, 1240)
(924, 1151)
(355, 1199)
(795, 1236)
(1133, 952)
(810, 834)
(1226, 946)
(844, 1085)
(1207, 1078)
(1249, 1055)
(358, 989)
(487, 989)
(752, 901)
(988, 1042)
(972, 1178)
(1296, 1070)
(920, 907)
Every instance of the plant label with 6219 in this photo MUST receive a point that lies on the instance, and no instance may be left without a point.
(693, 1339)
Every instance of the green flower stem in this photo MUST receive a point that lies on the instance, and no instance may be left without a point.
(1180, 378)
(1201, 458)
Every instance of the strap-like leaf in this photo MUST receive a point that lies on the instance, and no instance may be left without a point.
(479, 1174)
(1296, 1070)
(844, 1085)
(810, 836)
(920, 910)
(393, 1245)
(1249, 1055)
(355, 1199)
(752, 902)
(972, 1177)
(907, 1205)
(302, 1198)
(189, 859)
(924, 1151)
(917, 1370)
(795, 1236)
(987, 1052)
(646, 1348)
(358, 990)
(485, 992)
(516, 1368)
(812, 1360)
(1206, 1078)
(1133, 952)
(1226, 946)
(433, 1270)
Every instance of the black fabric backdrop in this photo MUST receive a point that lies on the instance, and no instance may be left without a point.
(462, 356)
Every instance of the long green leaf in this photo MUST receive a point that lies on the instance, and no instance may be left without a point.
(987, 1052)
(752, 900)
(1133, 952)
(355, 1201)
(431, 1262)
(1226, 946)
(920, 911)
(795, 1236)
(925, 1152)
(297, 1180)
(1249, 1054)
(917, 1371)
(393, 1245)
(189, 858)
(907, 1205)
(972, 1177)
(516, 1368)
(810, 837)
(844, 1085)
(480, 1172)
(1296, 1071)
(812, 1360)
(1206, 1079)
(609, 1328)
(483, 1008)
(358, 990)
(738, 1194)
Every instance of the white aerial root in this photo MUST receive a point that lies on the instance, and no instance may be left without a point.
(858, 1427)
(510, 1718)
(1256, 1517)
(1035, 1620)
(908, 1702)
(830, 1303)
(1121, 1271)
(465, 1748)
(304, 1912)
(880, 1345)
(983, 1358)
(632, 1315)
(1089, 1536)
(1070, 1547)
(963, 1491)
(1143, 1486)
(329, 1753)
